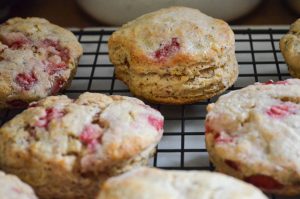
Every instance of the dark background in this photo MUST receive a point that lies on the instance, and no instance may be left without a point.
(67, 13)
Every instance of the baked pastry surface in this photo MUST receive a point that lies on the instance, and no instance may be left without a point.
(254, 134)
(176, 55)
(12, 187)
(145, 183)
(37, 59)
(64, 148)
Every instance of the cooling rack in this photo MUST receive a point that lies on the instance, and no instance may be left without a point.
(182, 146)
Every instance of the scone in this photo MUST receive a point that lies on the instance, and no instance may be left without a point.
(37, 59)
(290, 49)
(176, 55)
(254, 134)
(12, 187)
(146, 183)
(64, 148)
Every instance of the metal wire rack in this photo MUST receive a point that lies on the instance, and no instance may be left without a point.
(182, 146)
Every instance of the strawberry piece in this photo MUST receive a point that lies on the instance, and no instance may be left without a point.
(208, 128)
(15, 40)
(90, 136)
(17, 103)
(64, 53)
(26, 80)
(264, 182)
(54, 65)
(90, 133)
(232, 164)
(52, 68)
(156, 123)
(57, 85)
(282, 110)
(50, 42)
(17, 44)
(220, 139)
(92, 145)
(278, 82)
(51, 114)
(167, 50)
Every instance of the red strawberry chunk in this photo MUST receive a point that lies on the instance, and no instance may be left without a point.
(278, 82)
(156, 123)
(15, 40)
(220, 139)
(168, 49)
(50, 42)
(282, 110)
(57, 85)
(51, 114)
(234, 165)
(17, 44)
(90, 135)
(54, 65)
(264, 182)
(208, 128)
(26, 80)
(64, 53)
(92, 145)
(52, 68)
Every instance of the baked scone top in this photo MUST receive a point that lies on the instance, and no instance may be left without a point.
(176, 36)
(146, 183)
(90, 134)
(36, 58)
(12, 187)
(258, 127)
(38, 29)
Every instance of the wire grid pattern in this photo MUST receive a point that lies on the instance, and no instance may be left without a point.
(182, 146)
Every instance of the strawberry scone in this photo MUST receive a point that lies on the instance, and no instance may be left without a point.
(290, 49)
(12, 187)
(64, 148)
(147, 183)
(254, 134)
(37, 59)
(176, 55)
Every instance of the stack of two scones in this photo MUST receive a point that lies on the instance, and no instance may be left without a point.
(175, 56)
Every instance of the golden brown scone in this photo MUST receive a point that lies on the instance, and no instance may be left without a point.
(37, 59)
(290, 49)
(254, 134)
(64, 148)
(147, 183)
(12, 187)
(176, 55)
